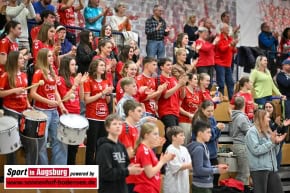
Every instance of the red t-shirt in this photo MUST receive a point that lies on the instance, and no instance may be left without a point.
(145, 156)
(249, 103)
(168, 106)
(204, 95)
(6, 46)
(97, 110)
(16, 102)
(109, 75)
(47, 90)
(66, 16)
(206, 54)
(150, 82)
(34, 32)
(190, 103)
(72, 105)
(128, 138)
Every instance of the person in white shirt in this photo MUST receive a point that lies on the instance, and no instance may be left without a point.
(176, 178)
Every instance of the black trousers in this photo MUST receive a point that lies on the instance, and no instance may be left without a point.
(71, 154)
(168, 121)
(96, 130)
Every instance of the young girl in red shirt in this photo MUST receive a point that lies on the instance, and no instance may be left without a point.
(8, 42)
(150, 179)
(12, 84)
(126, 55)
(47, 99)
(71, 83)
(204, 93)
(244, 90)
(188, 106)
(45, 39)
(97, 90)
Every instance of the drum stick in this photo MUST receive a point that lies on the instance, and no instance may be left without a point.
(1, 112)
(71, 96)
(41, 82)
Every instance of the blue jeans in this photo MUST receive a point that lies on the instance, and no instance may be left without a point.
(224, 75)
(261, 101)
(155, 48)
(59, 149)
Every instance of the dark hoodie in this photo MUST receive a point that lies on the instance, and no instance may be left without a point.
(201, 167)
(113, 161)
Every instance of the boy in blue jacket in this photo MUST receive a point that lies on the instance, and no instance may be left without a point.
(202, 179)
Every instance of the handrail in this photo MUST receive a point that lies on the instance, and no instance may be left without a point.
(82, 28)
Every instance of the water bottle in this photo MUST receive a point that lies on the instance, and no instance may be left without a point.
(217, 94)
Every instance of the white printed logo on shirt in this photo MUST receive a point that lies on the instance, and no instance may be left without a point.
(119, 157)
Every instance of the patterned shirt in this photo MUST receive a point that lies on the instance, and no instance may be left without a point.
(150, 29)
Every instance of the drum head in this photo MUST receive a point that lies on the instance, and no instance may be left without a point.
(34, 115)
(74, 121)
(6, 123)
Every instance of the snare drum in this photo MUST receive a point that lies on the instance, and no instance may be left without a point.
(33, 123)
(9, 135)
(72, 129)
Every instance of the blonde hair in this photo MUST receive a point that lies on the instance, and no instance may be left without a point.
(258, 62)
(42, 63)
(259, 120)
(146, 128)
(179, 51)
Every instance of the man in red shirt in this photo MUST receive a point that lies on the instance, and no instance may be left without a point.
(66, 12)
(129, 136)
(168, 104)
(224, 50)
(149, 95)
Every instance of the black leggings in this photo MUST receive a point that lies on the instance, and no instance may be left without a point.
(96, 130)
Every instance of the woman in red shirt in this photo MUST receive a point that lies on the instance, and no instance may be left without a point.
(188, 106)
(205, 62)
(204, 93)
(45, 39)
(97, 90)
(71, 83)
(47, 99)
(150, 179)
(12, 84)
(126, 55)
(8, 42)
(105, 48)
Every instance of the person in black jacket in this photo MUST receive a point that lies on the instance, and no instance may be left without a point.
(113, 159)
(85, 53)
